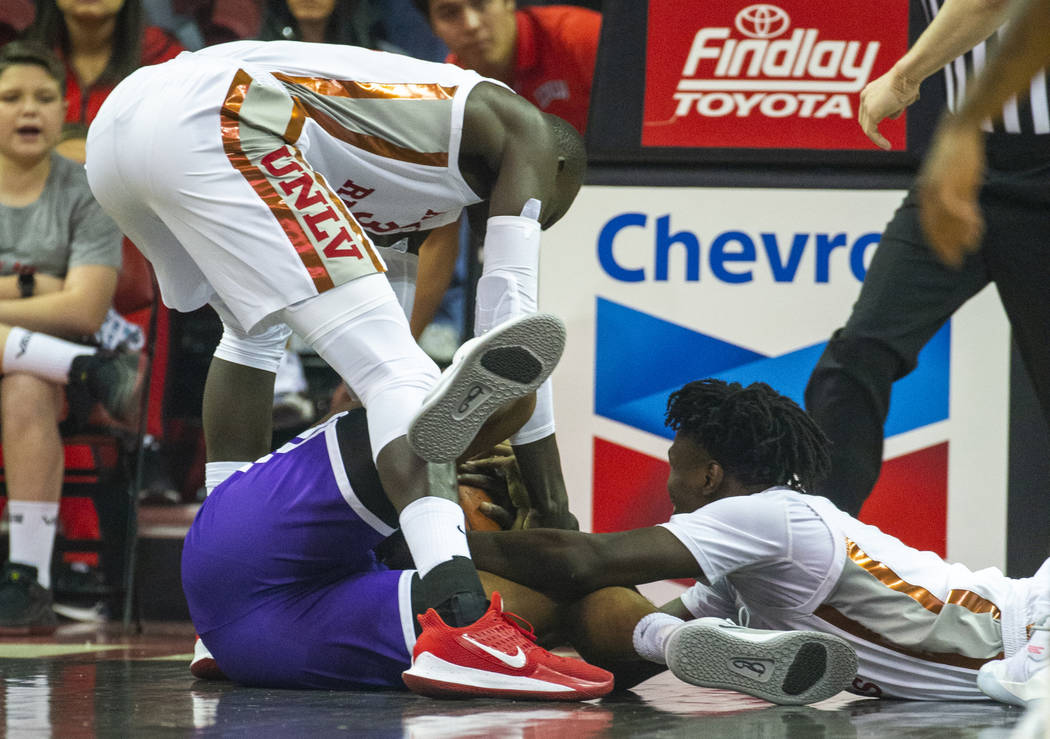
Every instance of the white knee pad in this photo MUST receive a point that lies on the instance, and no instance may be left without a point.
(262, 350)
(361, 331)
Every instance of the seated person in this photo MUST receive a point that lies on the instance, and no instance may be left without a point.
(743, 525)
(285, 589)
(59, 261)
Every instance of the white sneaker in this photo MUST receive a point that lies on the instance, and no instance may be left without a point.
(786, 667)
(505, 364)
(204, 666)
(1022, 677)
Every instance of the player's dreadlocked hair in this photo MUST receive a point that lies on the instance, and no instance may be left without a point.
(755, 433)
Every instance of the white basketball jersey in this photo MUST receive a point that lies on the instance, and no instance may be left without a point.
(921, 626)
(383, 129)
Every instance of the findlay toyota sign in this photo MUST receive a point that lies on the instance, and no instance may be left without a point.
(785, 75)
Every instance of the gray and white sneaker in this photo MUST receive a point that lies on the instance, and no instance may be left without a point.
(786, 667)
(505, 364)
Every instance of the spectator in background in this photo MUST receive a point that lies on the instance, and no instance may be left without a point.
(100, 43)
(546, 54)
(59, 261)
(320, 21)
(15, 17)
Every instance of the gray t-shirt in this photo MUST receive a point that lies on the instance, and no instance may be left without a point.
(64, 228)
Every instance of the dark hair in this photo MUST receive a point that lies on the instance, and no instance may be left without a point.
(349, 23)
(758, 435)
(49, 29)
(423, 6)
(27, 52)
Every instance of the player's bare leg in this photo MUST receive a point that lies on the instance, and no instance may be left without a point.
(237, 427)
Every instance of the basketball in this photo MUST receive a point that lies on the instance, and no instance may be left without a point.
(470, 498)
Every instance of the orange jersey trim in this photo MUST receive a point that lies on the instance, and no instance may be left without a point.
(834, 617)
(370, 90)
(231, 144)
(374, 91)
(964, 598)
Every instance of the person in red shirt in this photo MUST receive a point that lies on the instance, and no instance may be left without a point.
(101, 42)
(545, 53)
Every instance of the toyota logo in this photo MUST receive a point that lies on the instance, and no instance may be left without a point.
(762, 21)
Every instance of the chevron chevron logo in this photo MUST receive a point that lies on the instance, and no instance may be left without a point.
(641, 359)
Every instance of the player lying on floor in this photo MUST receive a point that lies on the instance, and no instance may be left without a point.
(743, 525)
(285, 589)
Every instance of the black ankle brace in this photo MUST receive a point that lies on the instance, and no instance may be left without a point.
(454, 590)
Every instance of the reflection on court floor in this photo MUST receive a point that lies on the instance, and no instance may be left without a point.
(94, 681)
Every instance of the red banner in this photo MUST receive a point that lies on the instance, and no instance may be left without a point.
(758, 76)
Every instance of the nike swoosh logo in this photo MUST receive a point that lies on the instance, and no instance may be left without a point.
(517, 661)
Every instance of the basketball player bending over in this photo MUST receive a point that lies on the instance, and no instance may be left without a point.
(248, 174)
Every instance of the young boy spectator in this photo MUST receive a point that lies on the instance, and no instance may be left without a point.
(59, 261)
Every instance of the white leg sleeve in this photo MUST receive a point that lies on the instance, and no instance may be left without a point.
(361, 331)
(509, 288)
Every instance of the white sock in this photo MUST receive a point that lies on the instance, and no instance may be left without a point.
(40, 354)
(216, 472)
(651, 635)
(33, 526)
(435, 531)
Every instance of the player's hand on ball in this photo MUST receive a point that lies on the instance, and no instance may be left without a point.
(502, 497)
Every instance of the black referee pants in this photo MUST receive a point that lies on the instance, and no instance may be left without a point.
(908, 295)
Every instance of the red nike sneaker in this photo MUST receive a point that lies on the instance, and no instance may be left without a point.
(496, 657)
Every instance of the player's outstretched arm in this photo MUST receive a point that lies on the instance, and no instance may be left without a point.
(567, 564)
(511, 137)
(958, 27)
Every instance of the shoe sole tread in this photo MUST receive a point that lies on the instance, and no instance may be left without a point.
(509, 364)
(701, 654)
